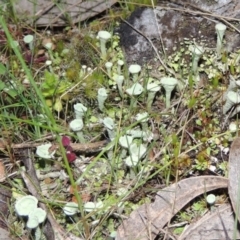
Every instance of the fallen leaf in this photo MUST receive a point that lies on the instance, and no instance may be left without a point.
(146, 222)
(234, 176)
(40, 52)
(71, 189)
(4, 235)
(49, 41)
(214, 225)
(86, 197)
(2, 172)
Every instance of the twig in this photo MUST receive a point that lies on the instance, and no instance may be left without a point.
(77, 147)
(178, 224)
(154, 48)
(206, 13)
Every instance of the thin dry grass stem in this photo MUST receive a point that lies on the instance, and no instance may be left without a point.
(168, 143)
(154, 48)
(191, 136)
(73, 87)
(63, 12)
(176, 225)
(160, 36)
(201, 143)
(167, 235)
(148, 224)
(205, 13)
(180, 100)
(183, 128)
(228, 116)
(7, 176)
(38, 71)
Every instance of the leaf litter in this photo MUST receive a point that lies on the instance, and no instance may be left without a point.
(146, 221)
(150, 219)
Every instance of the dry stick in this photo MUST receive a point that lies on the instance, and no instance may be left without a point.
(154, 48)
(160, 36)
(224, 19)
(209, 13)
(178, 224)
(77, 147)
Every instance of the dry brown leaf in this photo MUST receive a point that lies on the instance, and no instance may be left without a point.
(2, 172)
(146, 221)
(49, 13)
(91, 147)
(214, 225)
(234, 176)
(40, 52)
(71, 189)
(49, 41)
(4, 234)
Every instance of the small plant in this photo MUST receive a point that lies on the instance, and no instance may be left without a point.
(178, 230)
(52, 87)
(199, 207)
(185, 216)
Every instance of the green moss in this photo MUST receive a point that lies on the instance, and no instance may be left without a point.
(60, 45)
(72, 73)
(93, 83)
(84, 51)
